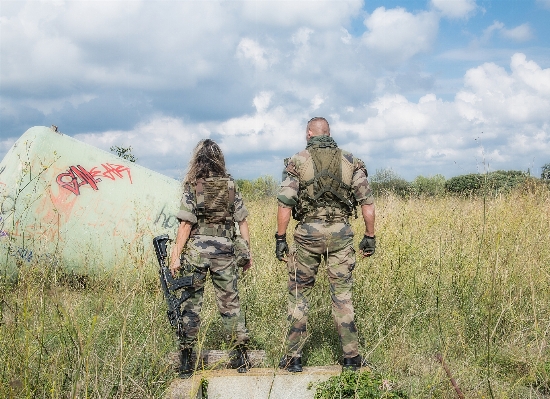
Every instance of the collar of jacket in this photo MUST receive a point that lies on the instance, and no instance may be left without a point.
(321, 142)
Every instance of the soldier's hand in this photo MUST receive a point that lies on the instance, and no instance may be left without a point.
(248, 265)
(174, 266)
(281, 247)
(368, 245)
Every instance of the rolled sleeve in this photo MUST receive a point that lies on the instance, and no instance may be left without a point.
(361, 187)
(240, 209)
(184, 216)
(187, 206)
(288, 192)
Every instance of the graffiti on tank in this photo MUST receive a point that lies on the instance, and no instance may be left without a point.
(28, 256)
(77, 176)
(112, 171)
(166, 221)
(3, 233)
(6, 207)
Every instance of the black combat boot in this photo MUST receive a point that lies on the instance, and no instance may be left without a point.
(353, 363)
(292, 364)
(186, 364)
(239, 359)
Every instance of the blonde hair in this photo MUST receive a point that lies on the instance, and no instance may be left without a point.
(207, 161)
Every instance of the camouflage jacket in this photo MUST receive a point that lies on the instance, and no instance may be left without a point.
(208, 246)
(288, 195)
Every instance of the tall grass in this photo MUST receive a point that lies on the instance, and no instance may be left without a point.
(464, 278)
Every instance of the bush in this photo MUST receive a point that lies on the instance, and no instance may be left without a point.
(262, 187)
(428, 186)
(386, 181)
(497, 182)
(545, 175)
(360, 385)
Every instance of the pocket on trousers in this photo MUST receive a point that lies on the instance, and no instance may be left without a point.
(352, 258)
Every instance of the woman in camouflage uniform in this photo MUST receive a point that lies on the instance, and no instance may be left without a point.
(210, 207)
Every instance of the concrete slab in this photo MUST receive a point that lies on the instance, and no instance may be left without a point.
(258, 383)
(218, 359)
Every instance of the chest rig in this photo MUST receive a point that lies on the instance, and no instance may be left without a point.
(325, 190)
(215, 207)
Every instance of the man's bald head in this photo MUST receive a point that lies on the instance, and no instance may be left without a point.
(317, 126)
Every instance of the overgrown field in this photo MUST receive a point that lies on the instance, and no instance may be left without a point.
(467, 278)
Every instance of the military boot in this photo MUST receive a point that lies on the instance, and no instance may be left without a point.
(292, 364)
(353, 363)
(239, 359)
(186, 364)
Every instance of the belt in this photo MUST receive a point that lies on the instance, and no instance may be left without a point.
(338, 219)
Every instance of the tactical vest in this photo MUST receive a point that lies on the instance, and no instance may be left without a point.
(325, 186)
(215, 207)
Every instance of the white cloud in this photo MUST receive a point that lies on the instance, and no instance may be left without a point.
(262, 101)
(530, 73)
(159, 136)
(499, 118)
(520, 33)
(250, 49)
(316, 102)
(398, 35)
(502, 114)
(317, 14)
(455, 8)
(161, 75)
(520, 97)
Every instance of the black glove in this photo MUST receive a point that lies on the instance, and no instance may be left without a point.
(281, 247)
(368, 245)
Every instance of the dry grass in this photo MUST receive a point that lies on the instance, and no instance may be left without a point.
(467, 278)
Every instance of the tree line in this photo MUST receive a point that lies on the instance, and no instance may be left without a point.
(387, 182)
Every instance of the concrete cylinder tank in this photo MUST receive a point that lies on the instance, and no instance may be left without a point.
(67, 204)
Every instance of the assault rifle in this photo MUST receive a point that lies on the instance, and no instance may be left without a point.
(170, 284)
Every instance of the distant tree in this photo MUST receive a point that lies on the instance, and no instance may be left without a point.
(489, 183)
(262, 187)
(428, 186)
(386, 181)
(545, 175)
(125, 153)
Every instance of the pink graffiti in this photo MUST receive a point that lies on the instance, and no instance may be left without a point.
(76, 176)
(111, 171)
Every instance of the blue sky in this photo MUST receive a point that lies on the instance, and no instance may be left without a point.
(423, 87)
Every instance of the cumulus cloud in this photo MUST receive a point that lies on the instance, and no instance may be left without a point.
(252, 51)
(159, 76)
(317, 14)
(499, 117)
(455, 8)
(398, 35)
(520, 33)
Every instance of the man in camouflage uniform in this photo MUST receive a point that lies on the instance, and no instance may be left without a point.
(207, 227)
(321, 187)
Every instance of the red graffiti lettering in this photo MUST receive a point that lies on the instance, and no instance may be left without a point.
(76, 177)
(111, 171)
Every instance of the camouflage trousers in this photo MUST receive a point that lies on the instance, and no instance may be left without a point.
(223, 273)
(313, 243)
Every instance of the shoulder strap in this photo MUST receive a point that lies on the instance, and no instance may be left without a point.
(231, 205)
(199, 192)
